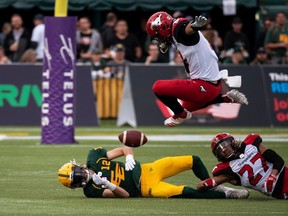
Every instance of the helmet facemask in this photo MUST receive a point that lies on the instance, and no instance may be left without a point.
(78, 176)
(74, 175)
(226, 150)
(162, 42)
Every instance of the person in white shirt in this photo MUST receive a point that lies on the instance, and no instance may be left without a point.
(37, 38)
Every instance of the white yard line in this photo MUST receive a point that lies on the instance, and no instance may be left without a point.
(171, 138)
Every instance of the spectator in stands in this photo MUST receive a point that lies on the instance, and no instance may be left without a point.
(18, 40)
(177, 14)
(237, 57)
(236, 38)
(107, 30)
(133, 50)
(3, 58)
(118, 65)
(285, 59)
(143, 38)
(276, 41)
(87, 39)
(98, 65)
(6, 28)
(212, 35)
(153, 54)
(261, 57)
(267, 24)
(37, 39)
(29, 56)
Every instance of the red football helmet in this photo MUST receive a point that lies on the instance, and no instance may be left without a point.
(222, 141)
(159, 28)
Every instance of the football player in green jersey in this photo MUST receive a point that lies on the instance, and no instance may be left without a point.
(103, 177)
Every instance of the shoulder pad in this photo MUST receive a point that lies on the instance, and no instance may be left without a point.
(220, 168)
(176, 22)
(253, 139)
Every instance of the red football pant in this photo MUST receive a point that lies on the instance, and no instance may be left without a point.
(195, 94)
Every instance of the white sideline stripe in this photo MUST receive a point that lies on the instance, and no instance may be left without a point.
(266, 138)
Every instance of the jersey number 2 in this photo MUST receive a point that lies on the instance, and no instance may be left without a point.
(253, 180)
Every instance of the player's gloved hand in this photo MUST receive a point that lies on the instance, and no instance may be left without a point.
(269, 183)
(206, 184)
(199, 22)
(209, 183)
(103, 181)
(98, 179)
(130, 162)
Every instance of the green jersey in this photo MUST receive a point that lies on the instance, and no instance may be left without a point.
(114, 171)
(277, 35)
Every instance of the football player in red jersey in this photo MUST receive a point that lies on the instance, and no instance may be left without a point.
(201, 64)
(250, 164)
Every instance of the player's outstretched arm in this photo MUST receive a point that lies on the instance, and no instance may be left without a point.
(278, 164)
(128, 152)
(195, 25)
(118, 152)
(213, 182)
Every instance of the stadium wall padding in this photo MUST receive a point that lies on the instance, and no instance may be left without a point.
(266, 88)
(20, 96)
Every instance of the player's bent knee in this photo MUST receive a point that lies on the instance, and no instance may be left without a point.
(196, 160)
(156, 87)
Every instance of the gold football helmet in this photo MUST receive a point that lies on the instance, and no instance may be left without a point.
(73, 175)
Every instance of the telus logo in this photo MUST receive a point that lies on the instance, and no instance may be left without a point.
(17, 96)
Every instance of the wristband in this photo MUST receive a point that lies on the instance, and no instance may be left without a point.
(111, 186)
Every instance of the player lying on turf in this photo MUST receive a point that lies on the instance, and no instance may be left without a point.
(204, 86)
(104, 177)
(250, 164)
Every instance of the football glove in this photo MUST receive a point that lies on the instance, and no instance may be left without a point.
(209, 183)
(270, 183)
(130, 162)
(103, 181)
(199, 22)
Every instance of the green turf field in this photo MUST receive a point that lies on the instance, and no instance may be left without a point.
(29, 184)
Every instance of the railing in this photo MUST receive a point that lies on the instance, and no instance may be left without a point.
(108, 93)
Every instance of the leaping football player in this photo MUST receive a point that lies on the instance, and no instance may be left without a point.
(201, 64)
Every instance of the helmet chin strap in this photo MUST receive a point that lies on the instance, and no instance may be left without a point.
(163, 48)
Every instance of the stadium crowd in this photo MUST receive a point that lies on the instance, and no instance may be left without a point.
(111, 47)
(19, 44)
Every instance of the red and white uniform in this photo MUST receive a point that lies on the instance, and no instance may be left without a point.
(200, 62)
(201, 59)
(251, 169)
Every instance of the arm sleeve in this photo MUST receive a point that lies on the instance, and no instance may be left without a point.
(182, 37)
(274, 158)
